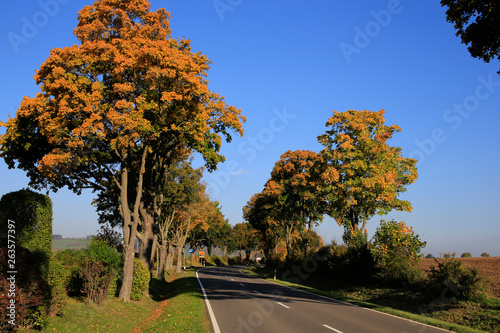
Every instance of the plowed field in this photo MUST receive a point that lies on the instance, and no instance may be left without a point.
(489, 268)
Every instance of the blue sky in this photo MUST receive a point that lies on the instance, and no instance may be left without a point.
(288, 64)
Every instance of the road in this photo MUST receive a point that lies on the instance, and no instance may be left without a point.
(244, 304)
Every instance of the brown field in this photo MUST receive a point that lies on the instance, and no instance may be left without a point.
(489, 268)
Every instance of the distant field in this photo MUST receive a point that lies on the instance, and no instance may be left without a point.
(69, 243)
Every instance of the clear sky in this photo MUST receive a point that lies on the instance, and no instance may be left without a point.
(288, 64)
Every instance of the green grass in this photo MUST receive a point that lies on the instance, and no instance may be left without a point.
(177, 306)
(185, 309)
(403, 302)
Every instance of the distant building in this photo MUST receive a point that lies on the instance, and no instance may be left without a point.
(57, 236)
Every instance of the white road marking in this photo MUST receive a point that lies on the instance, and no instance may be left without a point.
(241, 284)
(255, 291)
(283, 305)
(232, 279)
(333, 329)
(209, 307)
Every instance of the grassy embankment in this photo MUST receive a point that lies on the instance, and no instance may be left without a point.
(176, 306)
(404, 302)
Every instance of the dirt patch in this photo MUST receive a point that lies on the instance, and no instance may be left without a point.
(488, 268)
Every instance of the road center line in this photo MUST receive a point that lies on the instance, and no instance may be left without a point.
(241, 284)
(255, 291)
(331, 328)
(283, 305)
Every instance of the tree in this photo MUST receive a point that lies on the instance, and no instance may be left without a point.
(396, 249)
(246, 238)
(296, 190)
(361, 174)
(261, 213)
(126, 93)
(181, 188)
(478, 25)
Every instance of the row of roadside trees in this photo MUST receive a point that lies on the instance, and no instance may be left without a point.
(120, 114)
(357, 175)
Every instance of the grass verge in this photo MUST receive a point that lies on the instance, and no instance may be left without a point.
(184, 310)
(397, 302)
(176, 306)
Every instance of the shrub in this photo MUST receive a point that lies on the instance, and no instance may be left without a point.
(453, 277)
(485, 254)
(98, 269)
(31, 294)
(396, 249)
(466, 255)
(219, 261)
(58, 281)
(429, 256)
(72, 260)
(140, 282)
(448, 255)
(32, 214)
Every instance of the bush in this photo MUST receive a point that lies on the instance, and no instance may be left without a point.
(452, 277)
(429, 256)
(140, 282)
(58, 282)
(396, 250)
(99, 267)
(31, 294)
(448, 255)
(32, 215)
(72, 260)
(485, 254)
(219, 261)
(466, 255)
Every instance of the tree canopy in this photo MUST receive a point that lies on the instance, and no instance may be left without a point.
(478, 25)
(107, 106)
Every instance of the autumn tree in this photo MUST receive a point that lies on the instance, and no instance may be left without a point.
(262, 214)
(192, 215)
(246, 238)
(216, 233)
(126, 93)
(294, 183)
(181, 187)
(478, 25)
(362, 174)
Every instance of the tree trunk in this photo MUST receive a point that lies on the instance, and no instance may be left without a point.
(147, 235)
(130, 223)
(179, 249)
(161, 267)
(170, 257)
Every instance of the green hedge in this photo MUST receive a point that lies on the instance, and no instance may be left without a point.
(140, 282)
(32, 216)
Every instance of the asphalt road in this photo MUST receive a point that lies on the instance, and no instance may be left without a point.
(244, 304)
